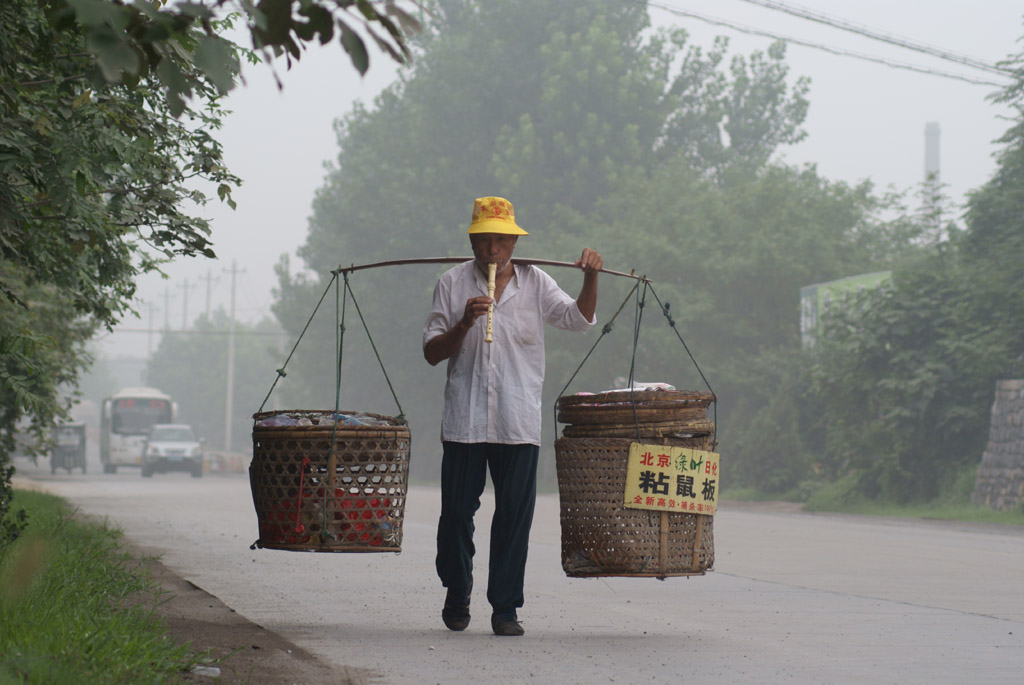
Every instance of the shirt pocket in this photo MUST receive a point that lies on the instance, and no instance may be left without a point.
(526, 325)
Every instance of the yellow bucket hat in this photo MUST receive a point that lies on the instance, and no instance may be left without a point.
(494, 215)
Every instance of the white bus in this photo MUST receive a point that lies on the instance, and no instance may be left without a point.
(125, 419)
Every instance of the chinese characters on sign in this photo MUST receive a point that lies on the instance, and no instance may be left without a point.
(666, 478)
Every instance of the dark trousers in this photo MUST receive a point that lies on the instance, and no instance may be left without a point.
(513, 471)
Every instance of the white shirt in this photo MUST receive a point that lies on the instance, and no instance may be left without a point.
(493, 391)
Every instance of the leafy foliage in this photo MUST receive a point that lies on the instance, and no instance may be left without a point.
(730, 259)
(907, 382)
(92, 168)
(993, 248)
(905, 377)
(757, 109)
(657, 153)
(108, 117)
(42, 349)
(182, 48)
(90, 171)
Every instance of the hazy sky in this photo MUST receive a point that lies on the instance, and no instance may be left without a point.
(866, 120)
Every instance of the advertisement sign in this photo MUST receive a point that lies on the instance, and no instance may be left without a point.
(673, 479)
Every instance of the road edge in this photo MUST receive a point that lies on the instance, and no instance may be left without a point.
(244, 651)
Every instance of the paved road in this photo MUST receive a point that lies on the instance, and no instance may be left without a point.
(794, 597)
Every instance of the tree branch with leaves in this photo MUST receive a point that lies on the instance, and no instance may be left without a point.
(109, 111)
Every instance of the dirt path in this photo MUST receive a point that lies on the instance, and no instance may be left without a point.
(243, 651)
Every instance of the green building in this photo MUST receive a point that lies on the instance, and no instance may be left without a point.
(816, 299)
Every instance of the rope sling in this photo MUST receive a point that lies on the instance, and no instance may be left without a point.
(640, 299)
(342, 294)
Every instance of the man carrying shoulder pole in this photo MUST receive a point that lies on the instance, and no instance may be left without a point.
(492, 404)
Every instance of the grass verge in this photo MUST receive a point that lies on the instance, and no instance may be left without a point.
(76, 608)
(953, 503)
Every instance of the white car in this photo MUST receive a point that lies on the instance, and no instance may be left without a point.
(172, 447)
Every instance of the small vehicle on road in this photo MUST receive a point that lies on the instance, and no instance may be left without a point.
(126, 418)
(68, 447)
(172, 447)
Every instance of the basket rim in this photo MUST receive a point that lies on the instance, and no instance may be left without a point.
(394, 421)
(324, 432)
(650, 398)
(619, 443)
(625, 413)
(697, 428)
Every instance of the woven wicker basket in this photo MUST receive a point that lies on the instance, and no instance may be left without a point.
(302, 506)
(600, 536)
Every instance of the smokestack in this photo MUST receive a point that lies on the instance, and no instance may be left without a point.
(931, 152)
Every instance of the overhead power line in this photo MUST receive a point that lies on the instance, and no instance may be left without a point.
(867, 32)
(179, 331)
(826, 48)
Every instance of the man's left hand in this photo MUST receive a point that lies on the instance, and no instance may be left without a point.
(590, 261)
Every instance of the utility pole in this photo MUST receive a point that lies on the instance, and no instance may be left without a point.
(167, 309)
(209, 282)
(149, 333)
(229, 409)
(184, 305)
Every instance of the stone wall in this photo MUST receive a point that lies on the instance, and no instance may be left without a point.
(1000, 483)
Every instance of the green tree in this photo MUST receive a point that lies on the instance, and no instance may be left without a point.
(898, 376)
(90, 172)
(440, 135)
(904, 379)
(993, 247)
(108, 113)
(602, 134)
(181, 45)
(43, 349)
(729, 259)
(756, 109)
(100, 149)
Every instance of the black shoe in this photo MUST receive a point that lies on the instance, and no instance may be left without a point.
(506, 623)
(455, 613)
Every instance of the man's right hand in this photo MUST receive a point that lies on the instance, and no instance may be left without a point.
(475, 308)
(443, 346)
